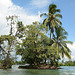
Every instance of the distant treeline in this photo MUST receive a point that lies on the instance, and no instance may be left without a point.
(67, 63)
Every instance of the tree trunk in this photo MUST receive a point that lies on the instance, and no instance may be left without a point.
(45, 61)
(50, 36)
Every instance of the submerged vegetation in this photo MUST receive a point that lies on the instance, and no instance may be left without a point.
(32, 42)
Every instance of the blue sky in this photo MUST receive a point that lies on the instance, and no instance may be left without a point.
(29, 11)
(67, 11)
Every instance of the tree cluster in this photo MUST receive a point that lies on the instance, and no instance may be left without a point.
(32, 42)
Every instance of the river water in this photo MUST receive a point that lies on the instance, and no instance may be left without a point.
(67, 70)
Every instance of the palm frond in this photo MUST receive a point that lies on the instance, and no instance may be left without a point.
(58, 15)
(62, 37)
(67, 54)
(53, 40)
(53, 45)
(69, 42)
(43, 14)
(58, 21)
(54, 24)
(52, 6)
(66, 51)
(46, 22)
(58, 10)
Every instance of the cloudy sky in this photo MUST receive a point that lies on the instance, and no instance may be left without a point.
(29, 11)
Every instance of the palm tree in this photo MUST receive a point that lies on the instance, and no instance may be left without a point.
(60, 43)
(52, 21)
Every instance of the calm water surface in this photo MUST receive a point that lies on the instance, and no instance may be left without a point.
(67, 70)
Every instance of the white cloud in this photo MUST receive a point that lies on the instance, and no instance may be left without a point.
(40, 3)
(72, 48)
(8, 8)
(5, 4)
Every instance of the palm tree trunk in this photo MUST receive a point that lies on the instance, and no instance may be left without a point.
(50, 38)
(57, 50)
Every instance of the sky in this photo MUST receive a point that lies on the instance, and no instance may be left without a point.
(30, 10)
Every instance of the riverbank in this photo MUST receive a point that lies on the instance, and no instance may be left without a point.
(39, 67)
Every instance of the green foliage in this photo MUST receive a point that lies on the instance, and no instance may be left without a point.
(32, 43)
(60, 44)
(11, 21)
(7, 62)
(67, 63)
(7, 43)
(20, 29)
(52, 21)
(30, 48)
(35, 46)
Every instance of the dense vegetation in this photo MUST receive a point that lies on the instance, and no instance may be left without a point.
(67, 63)
(32, 43)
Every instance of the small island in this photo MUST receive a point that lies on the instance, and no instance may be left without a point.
(32, 42)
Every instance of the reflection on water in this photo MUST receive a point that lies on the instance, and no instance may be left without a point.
(67, 70)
